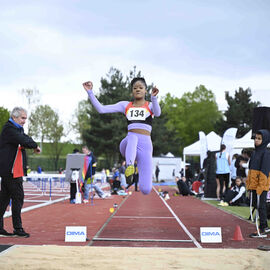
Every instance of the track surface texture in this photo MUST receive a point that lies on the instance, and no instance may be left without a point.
(138, 221)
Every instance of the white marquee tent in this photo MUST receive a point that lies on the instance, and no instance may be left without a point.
(214, 140)
(213, 143)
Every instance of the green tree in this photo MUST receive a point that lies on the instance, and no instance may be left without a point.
(164, 139)
(55, 133)
(193, 112)
(4, 116)
(82, 118)
(239, 113)
(44, 124)
(40, 121)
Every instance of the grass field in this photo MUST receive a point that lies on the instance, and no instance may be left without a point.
(240, 211)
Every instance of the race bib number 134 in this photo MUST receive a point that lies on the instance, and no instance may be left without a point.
(136, 114)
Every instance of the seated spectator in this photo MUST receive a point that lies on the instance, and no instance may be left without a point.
(183, 186)
(188, 175)
(116, 183)
(93, 186)
(103, 176)
(196, 186)
(236, 196)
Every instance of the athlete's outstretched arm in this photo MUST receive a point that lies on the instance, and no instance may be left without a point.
(113, 108)
(155, 105)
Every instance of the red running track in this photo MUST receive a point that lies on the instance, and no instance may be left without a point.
(140, 220)
(179, 218)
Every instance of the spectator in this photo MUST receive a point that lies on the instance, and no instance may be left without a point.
(233, 170)
(73, 184)
(13, 142)
(157, 172)
(122, 175)
(196, 186)
(103, 176)
(183, 188)
(240, 170)
(107, 175)
(245, 164)
(89, 170)
(236, 196)
(116, 183)
(39, 169)
(189, 176)
(222, 172)
(258, 181)
(136, 176)
(28, 169)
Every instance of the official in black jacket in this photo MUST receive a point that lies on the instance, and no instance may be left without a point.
(13, 142)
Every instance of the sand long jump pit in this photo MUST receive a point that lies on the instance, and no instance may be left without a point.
(80, 258)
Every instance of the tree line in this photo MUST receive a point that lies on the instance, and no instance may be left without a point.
(178, 126)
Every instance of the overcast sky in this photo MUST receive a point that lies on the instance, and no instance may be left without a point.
(55, 45)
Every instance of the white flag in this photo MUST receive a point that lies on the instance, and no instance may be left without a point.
(203, 148)
(228, 139)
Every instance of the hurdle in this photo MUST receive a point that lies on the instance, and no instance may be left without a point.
(49, 185)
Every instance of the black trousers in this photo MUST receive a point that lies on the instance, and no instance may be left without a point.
(73, 190)
(12, 188)
(136, 181)
(262, 208)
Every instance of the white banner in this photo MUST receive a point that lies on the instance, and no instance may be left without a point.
(203, 147)
(228, 139)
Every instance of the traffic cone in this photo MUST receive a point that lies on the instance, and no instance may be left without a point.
(238, 234)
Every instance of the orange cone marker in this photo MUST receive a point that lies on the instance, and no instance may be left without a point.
(238, 234)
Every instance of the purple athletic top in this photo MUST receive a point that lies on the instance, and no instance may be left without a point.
(121, 107)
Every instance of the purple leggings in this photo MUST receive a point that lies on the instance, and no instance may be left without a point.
(139, 147)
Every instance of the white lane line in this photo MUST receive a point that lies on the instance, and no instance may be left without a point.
(29, 208)
(143, 217)
(29, 198)
(179, 221)
(142, 240)
(36, 201)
